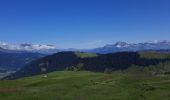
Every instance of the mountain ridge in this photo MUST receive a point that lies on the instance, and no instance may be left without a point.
(123, 46)
(119, 46)
(28, 47)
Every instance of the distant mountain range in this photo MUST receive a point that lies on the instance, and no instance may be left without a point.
(45, 49)
(13, 57)
(117, 47)
(123, 46)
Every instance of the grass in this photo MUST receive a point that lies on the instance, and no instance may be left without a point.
(83, 85)
(85, 55)
(155, 55)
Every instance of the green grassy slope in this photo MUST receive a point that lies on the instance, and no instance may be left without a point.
(84, 85)
(155, 55)
(85, 55)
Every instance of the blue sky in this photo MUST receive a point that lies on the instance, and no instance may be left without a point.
(83, 23)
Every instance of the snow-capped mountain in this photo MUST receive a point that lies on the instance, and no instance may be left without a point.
(117, 47)
(29, 47)
(123, 46)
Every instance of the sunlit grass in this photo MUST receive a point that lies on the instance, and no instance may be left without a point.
(83, 85)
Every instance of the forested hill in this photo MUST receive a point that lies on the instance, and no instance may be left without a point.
(91, 62)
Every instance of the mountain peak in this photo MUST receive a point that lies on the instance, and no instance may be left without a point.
(120, 44)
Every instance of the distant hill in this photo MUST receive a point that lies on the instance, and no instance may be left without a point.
(93, 62)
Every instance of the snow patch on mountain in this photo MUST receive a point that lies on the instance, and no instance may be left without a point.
(121, 44)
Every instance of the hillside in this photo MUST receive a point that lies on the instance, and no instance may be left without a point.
(84, 85)
(11, 61)
(15, 60)
(157, 63)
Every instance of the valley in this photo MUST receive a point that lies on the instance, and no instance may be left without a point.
(6, 72)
